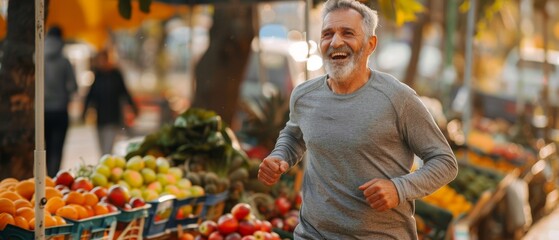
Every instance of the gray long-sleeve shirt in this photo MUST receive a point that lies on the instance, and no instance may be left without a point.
(350, 139)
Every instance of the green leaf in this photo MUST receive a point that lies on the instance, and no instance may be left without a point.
(125, 8)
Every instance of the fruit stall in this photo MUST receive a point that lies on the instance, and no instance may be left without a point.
(194, 179)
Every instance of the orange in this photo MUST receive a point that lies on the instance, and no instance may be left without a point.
(26, 212)
(21, 222)
(26, 189)
(82, 211)
(100, 209)
(68, 212)
(7, 206)
(90, 211)
(49, 182)
(22, 203)
(74, 197)
(49, 221)
(54, 204)
(90, 199)
(9, 180)
(6, 219)
(59, 220)
(52, 192)
(10, 195)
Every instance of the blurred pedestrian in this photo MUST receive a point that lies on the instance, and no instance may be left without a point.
(60, 85)
(360, 129)
(109, 96)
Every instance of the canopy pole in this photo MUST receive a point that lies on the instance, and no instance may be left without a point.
(467, 114)
(308, 6)
(40, 153)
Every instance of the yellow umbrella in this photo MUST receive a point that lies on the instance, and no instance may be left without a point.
(91, 21)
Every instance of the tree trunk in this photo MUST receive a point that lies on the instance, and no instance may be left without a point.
(221, 70)
(416, 45)
(17, 92)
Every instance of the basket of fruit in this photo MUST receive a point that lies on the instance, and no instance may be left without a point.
(13, 232)
(158, 216)
(131, 222)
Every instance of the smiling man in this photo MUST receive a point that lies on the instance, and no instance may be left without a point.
(360, 129)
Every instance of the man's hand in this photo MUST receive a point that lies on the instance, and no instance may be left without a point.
(271, 170)
(381, 194)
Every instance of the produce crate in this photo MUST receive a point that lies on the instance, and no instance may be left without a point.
(432, 222)
(186, 213)
(158, 216)
(214, 205)
(130, 223)
(98, 227)
(12, 232)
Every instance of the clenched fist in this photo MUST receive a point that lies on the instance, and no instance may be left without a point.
(381, 194)
(271, 170)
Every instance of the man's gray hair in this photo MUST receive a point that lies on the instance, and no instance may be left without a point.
(370, 17)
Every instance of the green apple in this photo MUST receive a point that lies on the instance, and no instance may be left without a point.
(155, 186)
(98, 179)
(184, 183)
(116, 174)
(135, 192)
(135, 163)
(123, 183)
(184, 193)
(103, 169)
(107, 160)
(149, 175)
(172, 189)
(120, 161)
(162, 165)
(162, 178)
(133, 178)
(171, 179)
(197, 191)
(177, 172)
(149, 160)
(149, 195)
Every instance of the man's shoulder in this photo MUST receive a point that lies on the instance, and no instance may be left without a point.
(389, 84)
(309, 85)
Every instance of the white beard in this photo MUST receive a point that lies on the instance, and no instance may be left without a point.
(341, 71)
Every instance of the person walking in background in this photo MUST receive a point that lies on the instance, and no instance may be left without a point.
(109, 96)
(360, 129)
(60, 85)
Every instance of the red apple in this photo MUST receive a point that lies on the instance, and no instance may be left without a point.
(215, 236)
(261, 235)
(257, 223)
(277, 222)
(246, 227)
(109, 206)
(266, 226)
(65, 178)
(290, 223)
(81, 183)
(137, 202)
(282, 205)
(250, 237)
(207, 227)
(227, 224)
(118, 196)
(99, 191)
(275, 236)
(233, 236)
(241, 210)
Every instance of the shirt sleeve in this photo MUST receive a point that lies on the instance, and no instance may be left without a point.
(426, 140)
(290, 145)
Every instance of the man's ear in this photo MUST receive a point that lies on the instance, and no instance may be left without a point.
(372, 43)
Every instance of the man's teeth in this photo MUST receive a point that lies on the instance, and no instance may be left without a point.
(339, 54)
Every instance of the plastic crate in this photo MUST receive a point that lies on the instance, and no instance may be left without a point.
(158, 216)
(98, 227)
(130, 223)
(213, 206)
(187, 213)
(12, 232)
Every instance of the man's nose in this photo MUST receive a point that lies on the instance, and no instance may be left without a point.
(337, 41)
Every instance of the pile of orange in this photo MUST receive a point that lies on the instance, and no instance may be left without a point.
(17, 202)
